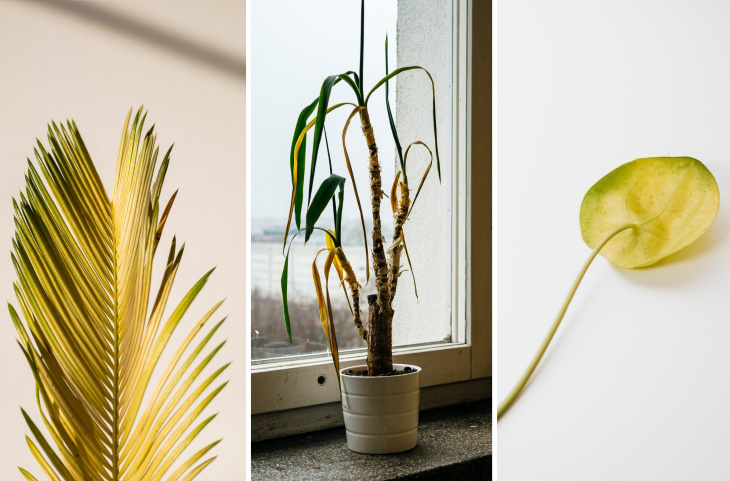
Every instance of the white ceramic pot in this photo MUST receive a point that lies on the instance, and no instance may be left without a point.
(381, 413)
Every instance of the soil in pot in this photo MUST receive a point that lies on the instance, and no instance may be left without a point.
(394, 372)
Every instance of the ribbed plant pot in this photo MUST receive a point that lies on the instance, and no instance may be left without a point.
(381, 412)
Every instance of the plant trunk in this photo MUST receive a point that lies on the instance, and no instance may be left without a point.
(380, 339)
(380, 315)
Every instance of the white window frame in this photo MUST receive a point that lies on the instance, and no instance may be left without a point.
(295, 383)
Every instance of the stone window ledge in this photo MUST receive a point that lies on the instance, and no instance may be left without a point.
(453, 443)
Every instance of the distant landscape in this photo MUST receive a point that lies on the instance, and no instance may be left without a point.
(268, 331)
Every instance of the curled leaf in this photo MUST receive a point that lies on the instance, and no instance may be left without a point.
(425, 173)
(667, 203)
(433, 100)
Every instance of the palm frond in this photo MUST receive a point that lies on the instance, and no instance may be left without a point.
(88, 331)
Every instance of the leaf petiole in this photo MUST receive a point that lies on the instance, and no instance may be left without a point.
(512, 396)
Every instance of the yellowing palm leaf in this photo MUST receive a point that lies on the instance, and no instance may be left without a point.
(91, 338)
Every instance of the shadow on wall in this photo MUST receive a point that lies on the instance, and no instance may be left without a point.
(152, 34)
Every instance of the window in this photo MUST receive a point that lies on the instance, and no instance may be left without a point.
(437, 335)
(281, 89)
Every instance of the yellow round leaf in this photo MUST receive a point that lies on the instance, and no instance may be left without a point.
(667, 202)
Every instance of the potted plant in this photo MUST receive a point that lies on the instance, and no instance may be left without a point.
(380, 399)
(86, 326)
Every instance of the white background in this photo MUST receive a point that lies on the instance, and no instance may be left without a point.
(55, 65)
(635, 385)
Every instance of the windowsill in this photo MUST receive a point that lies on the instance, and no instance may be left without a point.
(453, 443)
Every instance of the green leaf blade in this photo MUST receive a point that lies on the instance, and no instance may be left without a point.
(338, 222)
(284, 297)
(301, 159)
(325, 192)
(324, 98)
(393, 129)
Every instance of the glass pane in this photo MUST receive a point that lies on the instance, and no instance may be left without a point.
(294, 47)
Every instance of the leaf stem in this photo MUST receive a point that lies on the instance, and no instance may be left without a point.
(116, 389)
(512, 396)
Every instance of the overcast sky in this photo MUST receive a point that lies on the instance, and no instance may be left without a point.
(295, 45)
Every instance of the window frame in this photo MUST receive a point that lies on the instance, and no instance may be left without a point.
(294, 385)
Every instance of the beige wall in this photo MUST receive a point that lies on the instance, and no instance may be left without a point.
(185, 61)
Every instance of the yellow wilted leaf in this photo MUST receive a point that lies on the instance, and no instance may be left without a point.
(320, 298)
(333, 335)
(331, 247)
